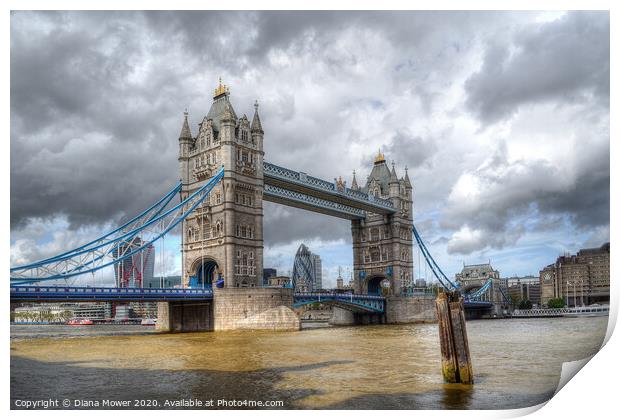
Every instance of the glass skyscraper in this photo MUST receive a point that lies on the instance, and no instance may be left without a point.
(307, 268)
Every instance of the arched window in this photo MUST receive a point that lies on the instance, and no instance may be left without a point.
(375, 254)
(190, 235)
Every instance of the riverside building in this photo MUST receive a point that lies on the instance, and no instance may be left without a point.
(580, 279)
(524, 288)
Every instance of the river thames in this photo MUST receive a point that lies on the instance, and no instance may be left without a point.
(516, 362)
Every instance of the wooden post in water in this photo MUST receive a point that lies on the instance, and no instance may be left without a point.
(455, 358)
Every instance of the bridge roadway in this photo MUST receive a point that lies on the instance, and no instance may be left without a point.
(297, 189)
(106, 294)
(353, 302)
(362, 303)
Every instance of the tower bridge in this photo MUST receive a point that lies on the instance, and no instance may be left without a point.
(227, 232)
(224, 180)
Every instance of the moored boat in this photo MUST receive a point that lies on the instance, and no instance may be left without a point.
(80, 322)
(588, 311)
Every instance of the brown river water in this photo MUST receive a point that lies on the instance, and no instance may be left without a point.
(516, 362)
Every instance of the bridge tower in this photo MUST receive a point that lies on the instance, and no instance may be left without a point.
(382, 244)
(223, 239)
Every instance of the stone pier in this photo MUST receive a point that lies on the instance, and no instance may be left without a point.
(341, 317)
(410, 309)
(254, 309)
(231, 309)
(184, 316)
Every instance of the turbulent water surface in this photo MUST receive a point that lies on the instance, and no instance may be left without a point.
(517, 363)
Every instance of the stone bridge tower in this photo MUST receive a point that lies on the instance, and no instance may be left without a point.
(382, 244)
(223, 239)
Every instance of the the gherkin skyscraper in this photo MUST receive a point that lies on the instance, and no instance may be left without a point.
(306, 270)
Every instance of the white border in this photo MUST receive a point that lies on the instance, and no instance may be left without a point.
(590, 395)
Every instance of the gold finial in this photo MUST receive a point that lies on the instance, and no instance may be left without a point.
(221, 89)
(380, 158)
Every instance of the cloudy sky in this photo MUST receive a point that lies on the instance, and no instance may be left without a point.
(502, 119)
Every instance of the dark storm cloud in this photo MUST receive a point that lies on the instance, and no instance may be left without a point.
(414, 150)
(565, 60)
(97, 101)
(587, 199)
(86, 141)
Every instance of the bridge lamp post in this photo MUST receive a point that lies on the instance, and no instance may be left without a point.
(574, 284)
(575, 293)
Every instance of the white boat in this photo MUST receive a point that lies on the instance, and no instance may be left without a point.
(587, 311)
(148, 321)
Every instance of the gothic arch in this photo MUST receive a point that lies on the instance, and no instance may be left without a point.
(372, 285)
(204, 271)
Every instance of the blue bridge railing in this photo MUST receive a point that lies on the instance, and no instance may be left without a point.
(363, 303)
(102, 294)
(303, 179)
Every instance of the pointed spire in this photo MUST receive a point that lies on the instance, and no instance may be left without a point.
(186, 133)
(228, 113)
(256, 125)
(354, 185)
(220, 90)
(380, 157)
(393, 177)
(407, 182)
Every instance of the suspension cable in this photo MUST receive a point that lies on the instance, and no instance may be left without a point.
(76, 263)
(434, 267)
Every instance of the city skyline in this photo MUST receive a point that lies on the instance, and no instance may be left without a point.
(528, 174)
